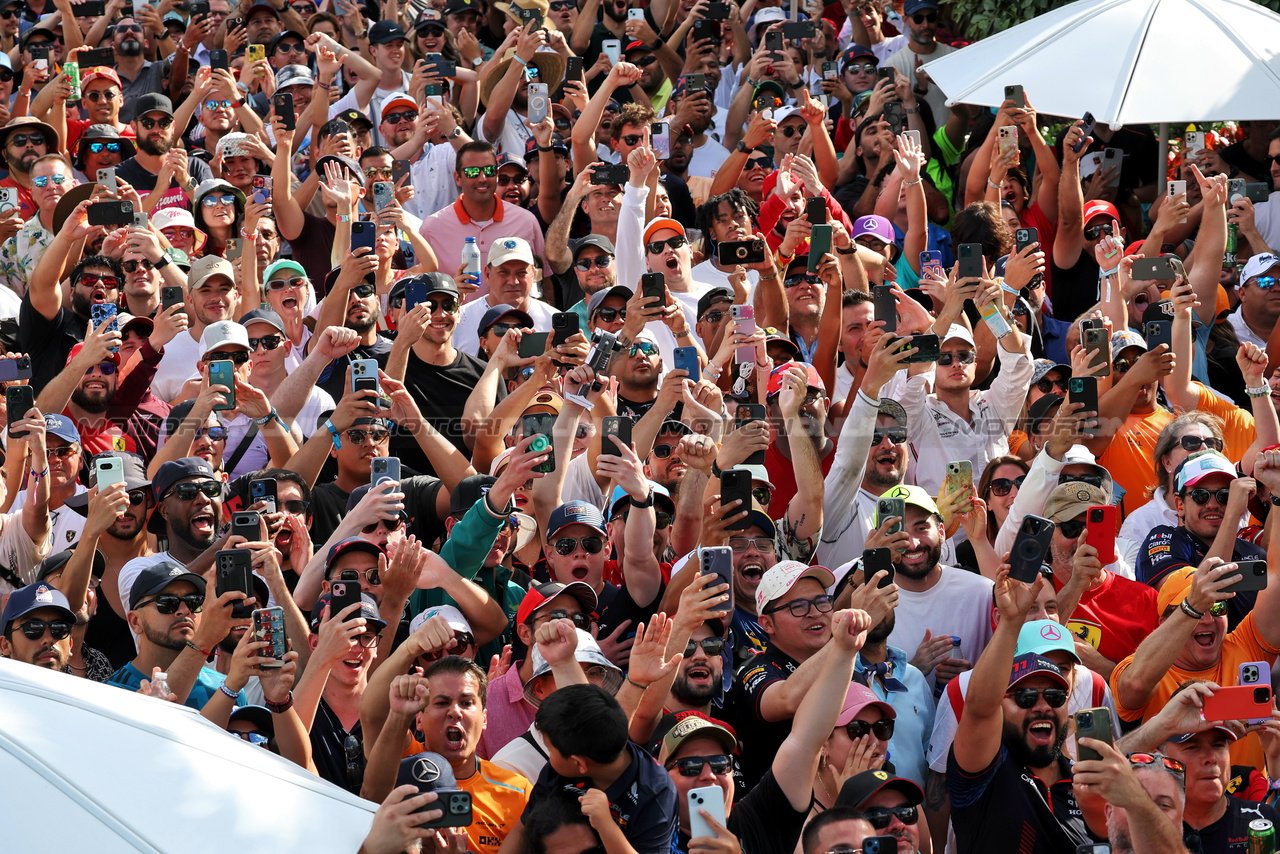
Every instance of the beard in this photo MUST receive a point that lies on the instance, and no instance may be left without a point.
(162, 639)
(155, 149)
(188, 536)
(81, 304)
(363, 326)
(879, 633)
(130, 47)
(93, 404)
(1034, 757)
(118, 531)
(1121, 842)
(694, 695)
(914, 573)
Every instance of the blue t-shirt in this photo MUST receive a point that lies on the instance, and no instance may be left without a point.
(206, 686)
(1167, 549)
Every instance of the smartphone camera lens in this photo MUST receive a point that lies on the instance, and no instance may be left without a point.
(1262, 695)
(1086, 719)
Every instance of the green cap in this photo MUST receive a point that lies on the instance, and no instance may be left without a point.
(914, 496)
(286, 264)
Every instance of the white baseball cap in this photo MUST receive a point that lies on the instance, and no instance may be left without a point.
(456, 620)
(222, 333)
(506, 249)
(782, 576)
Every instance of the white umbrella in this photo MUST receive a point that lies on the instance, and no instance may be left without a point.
(115, 771)
(1128, 62)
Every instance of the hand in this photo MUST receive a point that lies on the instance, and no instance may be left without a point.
(759, 130)
(1172, 211)
(216, 621)
(700, 599)
(1266, 470)
(931, 652)
(1252, 360)
(910, 158)
(396, 823)
(408, 695)
(1086, 565)
(500, 664)
(336, 342)
(557, 640)
(1240, 491)
(864, 755)
(400, 574)
(880, 538)
(152, 688)
(849, 630)
(949, 668)
(624, 468)
(741, 443)
(724, 842)
(617, 646)
(519, 470)
(337, 635)
(1014, 598)
(244, 661)
(277, 682)
(1110, 777)
(1073, 138)
(1182, 713)
(1209, 581)
(1023, 266)
(647, 664)
(432, 636)
(595, 806)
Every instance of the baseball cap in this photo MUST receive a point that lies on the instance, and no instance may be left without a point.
(497, 312)
(153, 102)
(506, 249)
(811, 375)
(468, 491)
(599, 241)
(100, 72)
(452, 615)
(55, 562)
(61, 426)
(890, 407)
(539, 595)
(205, 268)
(173, 217)
(368, 610)
(457, 7)
(294, 75)
(1097, 207)
(1042, 410)
(912, 6)
(658, 224)
(135, 477)
(1257, 265)
(157, 577)
(1197, 467)
(261, 315)
(914, 496)
(1187, 736)
(354, 116)
(696, 725)
(399, 102)
(711, 297)
(508, 160)
(549, 399)
(1125, 338)
(775, 336)
(661, 498)
(1040, 636)
(857, 51)
(575, 513)
(859, 697)
(385, 32)
(959, 331)
(33, 597)
(283, 264)
(875, 226)
(1031, 664)
(587, 653)
(601, 295)
(428, 19)
(222, 334)
(1175, 588)
(1042, 367)
(860, 788)
(1069, 500)
(758, 473)
(349, 545)
(778, 580)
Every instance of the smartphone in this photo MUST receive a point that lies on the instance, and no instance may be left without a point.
(1100, 522)
(1087, 125)
(711, 799)
(886, 72)
(342, 594)
(1093, 723)
(880, 845)
(383, 469)
(262, 189)
(268, 625)
(533, 344)
(660, 140)
(653, 286)
(421, 770)
(1098, 341)
(543, 423)
(255, 52)
(1158, 269)
(247, 524)
(1176, 188)
(815, 210)
(745, 413)
(886, 306)
(891, 507)
(283, 104)
(830, 70)
(745, 316)
(774, 41)
(107, 471)
(218, 59)
(1253, 576)
(1159, 332)
(717, 11)
(1238, 703)
(39, 53)
(1112, 158)
(960, 477)
(15, 369)
(743, 252)
(234, 572)
(363, 235)
(635, 14)
(603, 174)
(1006, 139)
(141, 220)
(107, 180)
(384, 193)
(564, 325)
(718, 560)
(264, 490)
(1085, 390)
(364, 375)
(1255, 673)
(400, 171)
(612, 48)
(686, 359)
(235, 247)
(877, 560)
(735, 485)
(111, 213)
(819, 245)
(928, 348)
(1014, 93)
(1235, 190)
(969, 261)
(614, 425)
(539, 102)
(105, 311)
(931, 260)
(1257, 192)
(1022, 238)
(573, 68)
(1193, 142)
(894, 115)
(92, 9)
(8, 198)
(1029, 548)
(19, 400)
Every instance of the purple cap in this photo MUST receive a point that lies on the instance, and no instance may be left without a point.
(876, 226)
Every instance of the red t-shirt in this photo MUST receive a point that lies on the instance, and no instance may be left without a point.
(1115, 616)
(613, 572)
(26, 201)
(1033, 217)
(783, 476)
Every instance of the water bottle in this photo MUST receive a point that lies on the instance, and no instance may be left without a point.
(955, 647)
(471, 262)
(161, 679)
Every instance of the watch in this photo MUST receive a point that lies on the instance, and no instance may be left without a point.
(1275, 500)
(477, 62)
(457, 132)
(162, 263)
(743, 147)
(363, 34)
(648, 502)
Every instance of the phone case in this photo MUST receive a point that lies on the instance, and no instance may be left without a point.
(741, 251)
(718, 560)
(15, 369)
(928, 348)
(653, 287)
(969, 261)
(711, 799)
(686, 359)
(564, 325)
(171, 296)
(745, 316)
(1093, 723)
(107, 471)
(735, 485)
(1087, 125)
(891, 507)
(1159, 332)
(533, 344)
(384, 468)
(819, 244)
(363, 236)
(1015, 94)
(234, 569)
(960, 477)
(263, 489)
(1029, 548)
(1085, 390)
(539, 102)
(1255, 673)
(421, 770)
(542, 424)
(344, 593)
(886, 306)
(1006, 139)
(614, 425)
(612, 48)
(1100, 522)
(1238, 703)
(268, 625)
(1253, 577)
(1099, 341)
(877, 560)
(223, 373)
(19, 399)
(364, 375)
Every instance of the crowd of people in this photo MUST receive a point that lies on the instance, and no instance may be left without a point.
(342, 341)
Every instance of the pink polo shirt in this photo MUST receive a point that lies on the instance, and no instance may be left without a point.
(508, 713)
(447, 230)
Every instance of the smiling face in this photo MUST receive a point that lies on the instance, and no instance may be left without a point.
(96, 389)
(749, 566)
(602, 204)
(579, 565)
(799, 637)
(706, 777)
(216, 299)
(1000, 504)
(454, 717)
(924, 544)
(480, 189)
(167, 631)
(1036, 734)
(194, 522)
(700, 675)
(1203, 520)
(513, 184)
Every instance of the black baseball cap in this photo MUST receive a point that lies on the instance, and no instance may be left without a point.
(468, 491)
(711, 297)
(157, 577)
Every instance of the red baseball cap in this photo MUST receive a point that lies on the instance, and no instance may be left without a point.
(1097, 207)
(540, 594)
(75, 351)
(100, 72)
(775, 378)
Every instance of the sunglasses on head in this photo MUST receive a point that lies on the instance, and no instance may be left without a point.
(1047, 385)
(167, 603)
(691, 766)
(1026, 698)
(236, 357)
(149, 123)
(97, 95)
(216, 434)
(880, 817)
(43, 180)
(566, 546)
(1194, 443)
(881, 729)
(477, 171)
(357, 437)
(600, 262)
(188, 491)
(964, 357)
(711, 646)
(99, 147)
(1152, 758)
(1002, 486)
(1093, 232)
(657, 246)
(35, 629)
(896, 435)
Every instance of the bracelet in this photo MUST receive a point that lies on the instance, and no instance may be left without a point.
(712, 371)
(279, 708)
(521, 61)
(322, 85)
(344, 217)
(1191, 612)
(1263, 390)
(1106, 274)
(635, 683)
(772, 275)
(337, 440)
(648, 502)
(910, 111)
(205, 652)
(37, 475)
(906, 184)
(851, 250)
(234, 695)
(545, 148)
(716, 471)
(992, 184)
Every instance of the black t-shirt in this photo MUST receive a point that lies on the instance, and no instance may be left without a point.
(1141, 151)
(759, 739)
(312, 248)
(615, 606)
(1231, 832)
(333, 379)
(1005, 807)
(144, 181)
(1167, 549)
(764, 821)
(1237, 156)
(441, 392)
(48, 342)
(328, 749)
(108, 632)
(1075, 288)
(329, 505)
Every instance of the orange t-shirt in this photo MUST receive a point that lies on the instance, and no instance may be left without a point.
(1241, 646)
(1238, 431)
(1130, 454)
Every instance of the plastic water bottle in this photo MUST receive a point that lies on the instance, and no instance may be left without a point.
(160, 682)
(471, 261)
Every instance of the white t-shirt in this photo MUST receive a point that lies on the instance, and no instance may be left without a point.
(465, 336)
(580, 484)
(707, 159)
(374, 108)
(432, 176)
(177, 365)
(1266, 218)
(1243, 332)
(65, 524)
(959, 604)
(523, 758)
(515, 135)
(713, 277)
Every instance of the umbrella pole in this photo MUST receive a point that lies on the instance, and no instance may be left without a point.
(1163, 171)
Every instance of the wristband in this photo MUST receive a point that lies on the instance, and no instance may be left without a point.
(992, 184)
(1106, 274)
(852, 249)
(234, 695)
(635, 683)
(712, 371)
(205, 652)
(37, 475)
(322, 85)
(270, 416)
(716, 471)
(337, 439)
(1191, 612)
(344, 217)
(1263, 390)
(906, 184)
(648, 502)
(521, 61)
(279, 708)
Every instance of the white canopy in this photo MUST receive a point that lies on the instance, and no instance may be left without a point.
(108, 771)
(1129, 61)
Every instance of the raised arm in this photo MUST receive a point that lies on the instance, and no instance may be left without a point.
(1068, 242)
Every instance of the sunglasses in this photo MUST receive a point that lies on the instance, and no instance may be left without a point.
(803, 607)
(566, 546)
(448, 305)
(99, 147)
(23, 139)
(964, 357)
(407, 116)
(1265, 283)
(1002, 486)
(281, 284)
(34, 629)
(148, 123)
(663, 451)
(646, 347)
(879, 817)
(188, 491)
(104, 368)
(1093, 232)
(217, 434)
(292, 47)
(297, 506)
(357, 437)
(138, 497)
(600, 262)
(760, 544)
(881, 729)
(388, 524)
(803, 278)
(253, 738)
(633, 138)
(167, 603)
(214, 199)
(236, 357)
(580, 620)
(363, 291)
(562, 124)
(661, 522)
(1091, 479)
(609, 315)
(1193, 443)
(97, 95)
(1152, 758)
(861, 67)
(691, 766)
(268, 342)
(1122, 366)
(477, 171)
(62, 452)
(370, 576)
(213, 104)
(1026, 698)
(354, 754)
(925, 17)
(1047, 385)
(762, 495)
(765, 163)
(509, 180)
(714, 316)
(896, 435)
(132, 266)
(1071, 528)
(563, 5)
(646, 61)
(657, 246)
(790, 130)
(43, 180)
(1202, 496)
(711, 646)
(91, 279)
(9, 14)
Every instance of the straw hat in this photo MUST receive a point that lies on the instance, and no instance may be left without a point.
(550, 70)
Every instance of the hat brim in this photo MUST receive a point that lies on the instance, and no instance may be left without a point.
(550, 71)
(49, 134)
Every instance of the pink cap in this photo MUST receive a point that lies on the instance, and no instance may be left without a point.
(859, 697)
